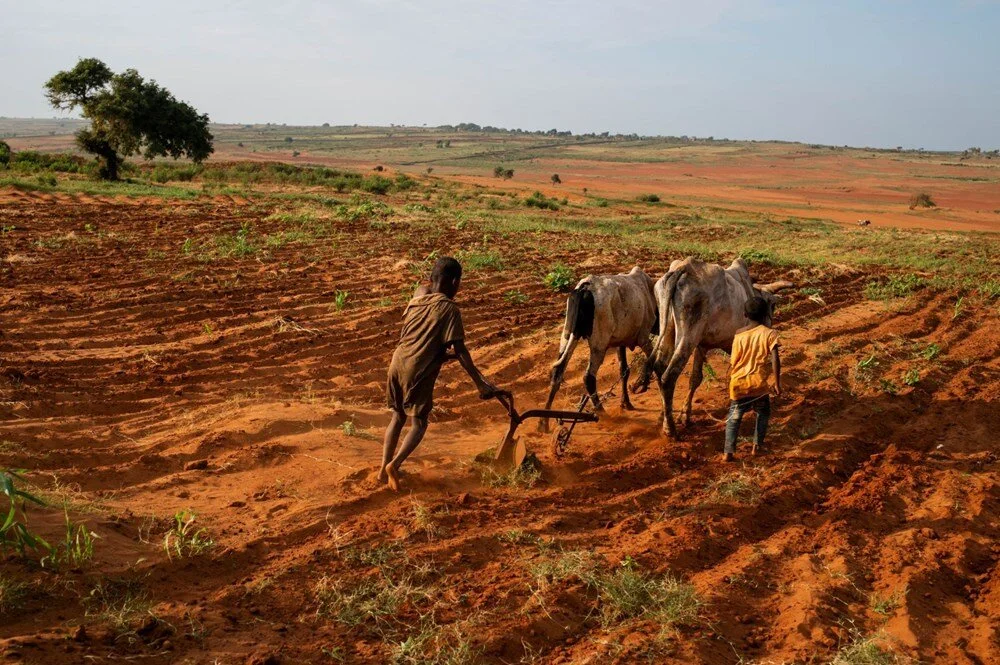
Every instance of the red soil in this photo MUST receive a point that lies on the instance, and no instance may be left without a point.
(124, 362)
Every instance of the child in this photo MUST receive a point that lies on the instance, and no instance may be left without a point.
(432, 324)
(748, 382)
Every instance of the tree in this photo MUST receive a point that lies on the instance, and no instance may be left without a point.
(4, 153)
(128, 115)
(508, 174)
(555, 179)
(498, 172)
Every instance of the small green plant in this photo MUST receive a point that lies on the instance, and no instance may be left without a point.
(922, 200)
(648, 198)
(888, 386)
(558, 278)
(14, 532)
(77, 547)
(184, 539)
(930, 352)
(340, 300)
(868, 364)
(516, 297)
(912, 377)
(959, 308)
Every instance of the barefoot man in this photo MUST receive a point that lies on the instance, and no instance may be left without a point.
(432, 325)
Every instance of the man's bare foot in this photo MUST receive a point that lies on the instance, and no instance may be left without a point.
(392, 477)
(728, 457)
(382, 477)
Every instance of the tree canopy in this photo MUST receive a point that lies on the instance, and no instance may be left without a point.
(128, 115)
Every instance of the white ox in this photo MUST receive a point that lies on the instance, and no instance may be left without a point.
(609, 311)
(700, 309)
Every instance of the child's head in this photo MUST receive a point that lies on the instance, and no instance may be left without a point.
(756, 310)
(446, 276)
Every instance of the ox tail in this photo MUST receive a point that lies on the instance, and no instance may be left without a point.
(579, 325)
(665, 314)
(580, 312)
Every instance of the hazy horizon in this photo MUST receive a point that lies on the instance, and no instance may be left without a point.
(895, 72)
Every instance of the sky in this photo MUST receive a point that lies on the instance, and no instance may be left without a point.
(916, 73)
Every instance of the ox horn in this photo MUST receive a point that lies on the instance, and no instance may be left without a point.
(774, 287)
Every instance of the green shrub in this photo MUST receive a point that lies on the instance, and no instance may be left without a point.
(649, 198)
(4, 153)
(921, 200)
(559, 277)
(539, 200)
(376, 184)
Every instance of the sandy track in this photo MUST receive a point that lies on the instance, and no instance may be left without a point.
(122, 363)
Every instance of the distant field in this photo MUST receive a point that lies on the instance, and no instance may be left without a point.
(829, 183)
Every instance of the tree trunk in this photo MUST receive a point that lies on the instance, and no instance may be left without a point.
(109, 164)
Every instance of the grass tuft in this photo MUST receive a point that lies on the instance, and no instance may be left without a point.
(737, 487)
(865, 651)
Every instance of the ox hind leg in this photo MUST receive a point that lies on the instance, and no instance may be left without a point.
(697, 375)
(625, 371)
(590, 378)
(556, 377)
(682, 352)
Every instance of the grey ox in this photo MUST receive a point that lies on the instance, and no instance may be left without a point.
(609, 311)
(700, 309)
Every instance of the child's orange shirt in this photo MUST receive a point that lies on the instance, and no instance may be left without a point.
(751, 362)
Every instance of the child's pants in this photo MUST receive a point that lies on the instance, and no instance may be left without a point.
(761, 406)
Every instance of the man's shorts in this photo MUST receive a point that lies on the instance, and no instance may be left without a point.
(416, 400)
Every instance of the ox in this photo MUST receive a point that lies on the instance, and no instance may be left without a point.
(700, 309)
(609, 311)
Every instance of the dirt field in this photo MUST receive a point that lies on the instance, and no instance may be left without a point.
(146, 371)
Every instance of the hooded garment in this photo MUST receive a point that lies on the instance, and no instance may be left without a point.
(431, 323)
